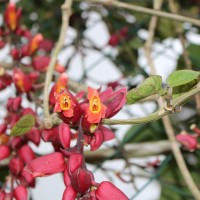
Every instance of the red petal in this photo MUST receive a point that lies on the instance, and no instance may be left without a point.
(66, 177)
(26, 154)
(16, 165)
(20, 193)
(81, 180)
(107, 133)
(188, 141)
(4, 152)
(64, 135)
(46, 165)
(69, 194)
(97, 140)
(107, 190)
(75, 161)
(115, 102)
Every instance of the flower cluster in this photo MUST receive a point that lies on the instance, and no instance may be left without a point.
(82, 117)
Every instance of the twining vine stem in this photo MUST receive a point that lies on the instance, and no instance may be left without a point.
(66, 12)
(158, 114)
(147, 11)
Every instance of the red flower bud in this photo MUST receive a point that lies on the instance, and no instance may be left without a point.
(74, 162)
(188, 141)
(46, 45)
(46, 165)
(2, 195)
(114, 40)
(34, 44)
(3, 128)
(5, 80)
(12, 16)
(4, 152)
(16, 143)
(34, 136)
(97, 140)
(21, 81)
(2, 44)
(26, 154)
(26, 179)
(41, 63)
(81, 180)
(16, 165)
(64, 135)
(20, 193)
(69, 194)
(107, 190)
(66, 177)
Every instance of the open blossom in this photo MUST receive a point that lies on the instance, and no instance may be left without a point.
(96, 110)
(12, 16)
(64, 103)
(58, 87)
(68, 107)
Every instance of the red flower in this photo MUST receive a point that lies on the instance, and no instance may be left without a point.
(12, 16)
(46, 165)
(188, 141)
(5, 152)
(21, 81)
(34, 44)
(58, 87)
(20, 193)
(96, 110)
(64, 104)
(107, 190)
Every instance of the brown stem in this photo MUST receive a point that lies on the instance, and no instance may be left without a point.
(149, 11)
(66, 12)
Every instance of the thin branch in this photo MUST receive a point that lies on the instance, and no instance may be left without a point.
(159, 114)
(142, 149)
(66, 12)
(179, 158)
(148, 11)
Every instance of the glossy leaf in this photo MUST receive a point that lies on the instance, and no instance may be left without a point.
(150, 86)
(24, 125)
(182, 77)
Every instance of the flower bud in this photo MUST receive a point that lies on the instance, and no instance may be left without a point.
(81, 180)
(26, 154)
(97, 140)
(16, 165)
(21, 81)
(66, 177)
(12, 16)
(107, 190)
(34, 136)
(69, 193)
(4, 152)
(188, 141)
(41, 63)
(74, 162)
(26, 179)
(46, 165)
(64, 135)
(20, 193)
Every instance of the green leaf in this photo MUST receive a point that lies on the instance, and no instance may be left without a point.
(182, 77)
(24, 125)
(150, 86)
